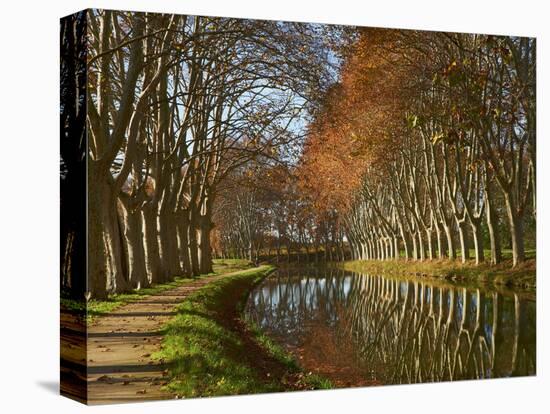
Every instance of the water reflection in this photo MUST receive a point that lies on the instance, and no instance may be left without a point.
(400, 331)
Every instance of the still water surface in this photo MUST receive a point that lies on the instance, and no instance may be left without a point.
(393, 331)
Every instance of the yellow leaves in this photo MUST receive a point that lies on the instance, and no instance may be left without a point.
(412, 121)
(437, 138)
(451, 71)
(507, 55)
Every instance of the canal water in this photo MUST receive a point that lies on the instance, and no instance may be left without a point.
(382, 330)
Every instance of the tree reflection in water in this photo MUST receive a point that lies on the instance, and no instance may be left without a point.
(402, 331)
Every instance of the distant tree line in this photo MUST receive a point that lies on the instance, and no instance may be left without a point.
(265, 214)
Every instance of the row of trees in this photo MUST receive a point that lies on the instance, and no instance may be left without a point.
(264, 212)
(427, 144)
(172, 105)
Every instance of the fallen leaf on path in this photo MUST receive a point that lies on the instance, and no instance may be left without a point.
(105, 378)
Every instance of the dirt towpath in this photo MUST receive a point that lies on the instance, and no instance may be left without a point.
(120, 345)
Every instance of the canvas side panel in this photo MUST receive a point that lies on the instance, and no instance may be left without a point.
(73, 144)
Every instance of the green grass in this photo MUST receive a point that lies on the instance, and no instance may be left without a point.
(95, 308)
(210, 352)
(522, 276)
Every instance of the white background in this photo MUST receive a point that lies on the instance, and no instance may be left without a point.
(29, 205)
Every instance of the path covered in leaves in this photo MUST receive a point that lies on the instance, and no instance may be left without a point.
(120, 345)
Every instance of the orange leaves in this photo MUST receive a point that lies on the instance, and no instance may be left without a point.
(329, 169)
(361, 122)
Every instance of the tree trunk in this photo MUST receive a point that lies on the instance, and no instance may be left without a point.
(440, 253)
(152, 253)
(414, 247)
(193, 244)
(104, 251)
(183, 243)
(205, 257)
(450, 242)
(169, 244)
(478, 242)
(515, 222)
(132, 232)
(464, 246)
(494, 236)
(421, 246)
(341, 252)
(372, 250)
(429, 238)
(406, 246)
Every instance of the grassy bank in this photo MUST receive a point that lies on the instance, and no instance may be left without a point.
(211, 351)
(522, 276)
(94, 308)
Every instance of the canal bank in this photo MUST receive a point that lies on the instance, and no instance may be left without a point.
(210, 350)
(519, 278)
